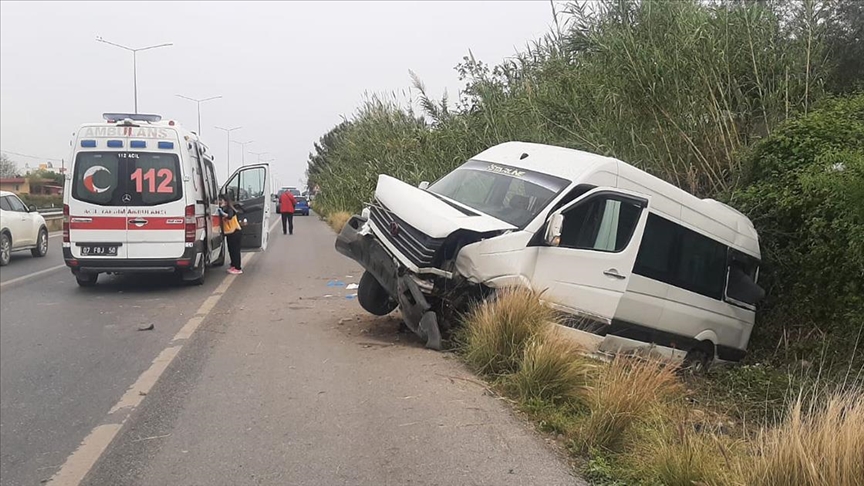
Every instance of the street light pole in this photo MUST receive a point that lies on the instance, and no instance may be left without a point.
(243, 149)
(134, 62)
(228, 131)
(198, 102)
(259, 154)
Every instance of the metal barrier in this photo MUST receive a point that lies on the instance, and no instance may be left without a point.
(53, 218)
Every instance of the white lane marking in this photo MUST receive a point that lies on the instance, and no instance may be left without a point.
(55, 234)
(32, 275)
(77, 465)
(80, 462)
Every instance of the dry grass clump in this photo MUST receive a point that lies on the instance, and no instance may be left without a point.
(338, 219)
(820, 443)
(497, 332)
(630, 391)
(552, 370)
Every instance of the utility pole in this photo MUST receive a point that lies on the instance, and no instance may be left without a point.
(198, 102)
(228, 131)
(259, 154)
(243, 149)
(134, 62)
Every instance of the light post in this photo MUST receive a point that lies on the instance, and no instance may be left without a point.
(243, 149)
(228, 131)
(134, 62)
(259, 154)
(198, 102)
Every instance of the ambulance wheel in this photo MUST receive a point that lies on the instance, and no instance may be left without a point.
(220, 260)
(86, 279)
(373, 298)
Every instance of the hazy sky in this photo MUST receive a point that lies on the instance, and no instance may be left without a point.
(287, 71)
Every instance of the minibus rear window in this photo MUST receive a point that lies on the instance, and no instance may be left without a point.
(127, 178)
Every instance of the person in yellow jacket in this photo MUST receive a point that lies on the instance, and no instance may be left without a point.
(232, 230)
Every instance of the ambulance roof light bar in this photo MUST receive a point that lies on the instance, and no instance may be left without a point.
(115, 117)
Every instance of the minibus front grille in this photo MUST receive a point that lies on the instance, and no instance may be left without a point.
(411, 242)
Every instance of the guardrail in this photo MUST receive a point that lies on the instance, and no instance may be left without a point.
(53, 218)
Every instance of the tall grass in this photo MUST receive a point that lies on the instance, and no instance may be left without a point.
(337, 219)
(677, 88)
(551, 370)
(821, 443)
(497, 332)
(632, 412)
(629, 393)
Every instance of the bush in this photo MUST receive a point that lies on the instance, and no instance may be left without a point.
(42, 201)
(496, 333)
(805, 198)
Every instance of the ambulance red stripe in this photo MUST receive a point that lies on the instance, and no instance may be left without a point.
(123, 222)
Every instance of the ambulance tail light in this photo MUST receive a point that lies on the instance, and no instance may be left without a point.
(191, 227)
(65, 223)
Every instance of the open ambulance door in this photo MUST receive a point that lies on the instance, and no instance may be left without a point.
(249, 187)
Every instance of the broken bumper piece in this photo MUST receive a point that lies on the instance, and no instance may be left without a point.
(366, 250)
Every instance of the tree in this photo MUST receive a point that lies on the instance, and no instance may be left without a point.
(8, 167)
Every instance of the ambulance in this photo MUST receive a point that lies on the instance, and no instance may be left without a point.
(142, 197)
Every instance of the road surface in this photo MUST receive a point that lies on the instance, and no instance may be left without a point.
(274, 377)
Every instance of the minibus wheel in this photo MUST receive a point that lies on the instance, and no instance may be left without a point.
(373, 298)
(698, 360)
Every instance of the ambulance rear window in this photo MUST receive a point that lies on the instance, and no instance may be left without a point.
(127, 178)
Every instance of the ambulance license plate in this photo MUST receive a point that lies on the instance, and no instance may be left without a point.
(107, 251)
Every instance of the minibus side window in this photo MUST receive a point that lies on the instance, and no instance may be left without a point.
(655, 254)
(676, 255)
(602, 223)
(701, 264)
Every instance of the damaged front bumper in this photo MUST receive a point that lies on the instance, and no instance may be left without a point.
(358, 243)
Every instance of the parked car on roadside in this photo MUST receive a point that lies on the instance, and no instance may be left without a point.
(21, 228)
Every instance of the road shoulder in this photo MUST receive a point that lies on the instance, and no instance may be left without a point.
(288, 382)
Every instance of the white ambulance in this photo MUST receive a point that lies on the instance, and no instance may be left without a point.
(142, 196)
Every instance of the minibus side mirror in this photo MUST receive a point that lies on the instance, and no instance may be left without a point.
(423, 185)
(553, 229)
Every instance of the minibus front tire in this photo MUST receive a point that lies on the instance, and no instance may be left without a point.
(86, 279)
(373, 297)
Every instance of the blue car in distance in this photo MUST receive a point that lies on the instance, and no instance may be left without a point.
(302, 206)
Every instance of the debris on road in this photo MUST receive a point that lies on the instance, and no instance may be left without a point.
(146, 327)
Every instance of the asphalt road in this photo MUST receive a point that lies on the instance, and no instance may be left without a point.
(278, 378)
(22, 263)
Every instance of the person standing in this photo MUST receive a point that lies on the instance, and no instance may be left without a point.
(286, 208)
(233, 232)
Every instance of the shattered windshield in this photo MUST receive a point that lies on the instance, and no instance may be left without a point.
(510, 194)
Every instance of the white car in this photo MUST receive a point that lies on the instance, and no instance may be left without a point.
(21, 228)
